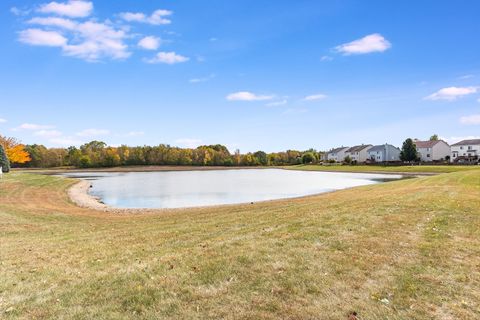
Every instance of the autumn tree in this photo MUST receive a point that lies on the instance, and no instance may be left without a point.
(15, 151)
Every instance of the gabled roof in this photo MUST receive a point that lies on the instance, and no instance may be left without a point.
(467, 142)
(337, 150)
(427, 144)
(358, 148)
(377, 148)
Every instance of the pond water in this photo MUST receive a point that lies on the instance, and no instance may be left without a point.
(179, 189)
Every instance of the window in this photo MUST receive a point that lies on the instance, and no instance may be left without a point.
(469, 147)
(428, 155)
(461, 148)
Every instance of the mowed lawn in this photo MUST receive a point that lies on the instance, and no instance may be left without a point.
(394, 169)
(407, 249)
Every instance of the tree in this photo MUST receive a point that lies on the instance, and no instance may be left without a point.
(434, 137)
(4, 162)
(308, 157)
(409, 151)
(347, 160)
(15, 150)
(261, 158)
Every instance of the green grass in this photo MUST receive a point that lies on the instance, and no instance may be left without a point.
(378, 168)
(407, 249)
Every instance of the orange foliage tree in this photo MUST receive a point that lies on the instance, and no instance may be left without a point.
(15, 150)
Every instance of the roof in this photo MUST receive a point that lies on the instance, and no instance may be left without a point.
(377, 148)
(466, 142)
(337, 150)
(358, 148)
(427, 144)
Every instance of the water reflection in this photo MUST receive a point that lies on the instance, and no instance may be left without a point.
(178, 189)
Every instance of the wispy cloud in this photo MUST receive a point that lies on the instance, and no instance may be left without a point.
(158, 17)
(37, 37)
(451, 93)
(315, 97)
(65, 141)
(134, 134)
(47, 133)
(33, 126)
(72, 8)
(2, 120)
(452, 140)
(473, 119)
(149, 43)
(188, 142)
(54, 22)
(368, 44)
(248, 96)
(167, 58)
(93, 132)
(326, 58)
(277, 103)
(204, 79)
(467, 76)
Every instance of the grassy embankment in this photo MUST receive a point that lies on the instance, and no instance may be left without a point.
(407, 249)
(426, 169)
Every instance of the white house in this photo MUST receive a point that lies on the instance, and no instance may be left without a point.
(358, 154)
(432, 150)
(337, 155)
(383, 153)
(465, 150)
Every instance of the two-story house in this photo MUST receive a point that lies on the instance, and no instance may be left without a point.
(383, 153)
(358, 154)
(465, 151)
(337, 154)
(432, 150)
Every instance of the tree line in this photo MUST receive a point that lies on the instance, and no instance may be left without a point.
(97, 154)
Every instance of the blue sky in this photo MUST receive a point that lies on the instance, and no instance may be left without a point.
(253, 75)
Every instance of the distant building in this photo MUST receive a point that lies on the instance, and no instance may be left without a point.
(383, 153)
(358, 154)
(465, 151)
(337, 155)
(432, 150)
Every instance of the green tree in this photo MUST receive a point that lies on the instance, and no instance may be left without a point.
(434, 137)
(409, 151)
(261, 158)
(308, 157)
(347, 160)
(4, 162)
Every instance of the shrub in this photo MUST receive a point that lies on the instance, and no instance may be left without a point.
(4, 162)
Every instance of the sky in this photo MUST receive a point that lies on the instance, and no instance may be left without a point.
(252, 75)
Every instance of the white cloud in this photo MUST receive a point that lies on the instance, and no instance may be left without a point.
(55, 22)
(473, 119)
(326, 58)
(98, 40)
(467, 76)
(47, 133)
(149, 43)
(134, 134)
(188, 142)
(2, 120)
(168, 58)
(37, 37)
(248, 96)
(158, 17)
(277, 103)
(452, 140)
(451, 93)
(213, 39)
(65, 141)
(204, 79)
(93, 133)
(368, 44)
(32, 126)
(315, 97)
(72, 8)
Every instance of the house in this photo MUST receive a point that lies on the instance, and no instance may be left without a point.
(465, 151)
(383, 153)
(337, 155)
(432, 150)
(358, 154)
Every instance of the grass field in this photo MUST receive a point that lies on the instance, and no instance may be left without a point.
(407, 249)
(394, 169)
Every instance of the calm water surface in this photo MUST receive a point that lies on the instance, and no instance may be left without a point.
(179, 189)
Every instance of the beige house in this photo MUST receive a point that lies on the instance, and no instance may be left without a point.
(337, 154)
(432, 150)
(358, 154)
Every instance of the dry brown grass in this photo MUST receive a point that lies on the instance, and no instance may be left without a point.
(402, 250)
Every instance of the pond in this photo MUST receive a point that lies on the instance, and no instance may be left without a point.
(180, 189)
